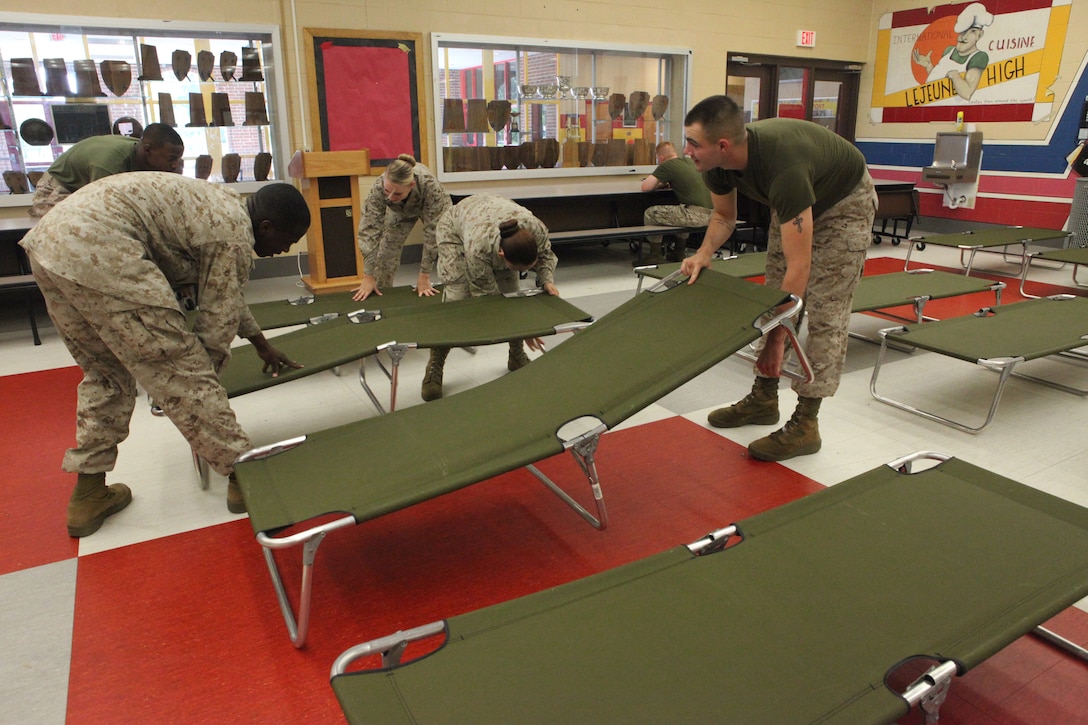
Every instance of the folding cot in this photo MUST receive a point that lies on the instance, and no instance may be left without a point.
(338, 337)
(987, 240)
(354, 335)
(739, 265)
(875, 293)
(800, 614)
(563, 400)
(1075, 256)
(997, 339)
(312, 309)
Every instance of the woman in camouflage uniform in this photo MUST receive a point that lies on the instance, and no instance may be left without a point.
(405, 192)
(484, 243)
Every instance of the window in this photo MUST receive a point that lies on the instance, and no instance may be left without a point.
(529, 108)
(216, 85)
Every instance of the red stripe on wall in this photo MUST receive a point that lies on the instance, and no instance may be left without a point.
(1004, 112)
(923, 16)
(1047, 215)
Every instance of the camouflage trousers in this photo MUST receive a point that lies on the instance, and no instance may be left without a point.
(118, 343)
(840, 237)
(676, 215)
(47, 194)
(385, 262)
(457, 284)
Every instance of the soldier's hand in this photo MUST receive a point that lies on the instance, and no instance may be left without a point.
(274, 361)
(693, 265)
(367, 287)
(424, 288)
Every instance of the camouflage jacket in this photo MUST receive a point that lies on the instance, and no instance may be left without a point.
(426, 202)
(138, 237)
(475, 223)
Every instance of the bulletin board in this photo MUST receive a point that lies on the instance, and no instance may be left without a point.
(366, 93)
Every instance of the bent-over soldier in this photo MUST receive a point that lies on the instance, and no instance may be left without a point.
(405, 193)
(484, 243)
(107, 261)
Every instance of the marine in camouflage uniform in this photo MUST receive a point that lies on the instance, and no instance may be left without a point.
(96, 157)
(468, 248)
(107, 262)
(386, 225)
(822, 199)
(471, 264)
(679, 174)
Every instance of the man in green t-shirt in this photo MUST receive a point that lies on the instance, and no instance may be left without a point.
(822, 203)
(159, 148)
(679, 174)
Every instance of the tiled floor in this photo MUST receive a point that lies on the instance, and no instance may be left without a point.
(1037, 438)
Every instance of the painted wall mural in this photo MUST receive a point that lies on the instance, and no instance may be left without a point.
(993, 60)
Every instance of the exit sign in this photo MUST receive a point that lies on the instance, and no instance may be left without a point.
(806, 38)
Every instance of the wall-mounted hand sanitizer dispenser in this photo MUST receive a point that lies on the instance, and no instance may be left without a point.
(956, 158)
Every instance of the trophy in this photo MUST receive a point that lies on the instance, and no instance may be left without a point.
(515, 132)
(563, 86)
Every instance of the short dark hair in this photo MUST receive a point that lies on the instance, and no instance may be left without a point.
(283, 205)
(517, 244)
(159, 134)
(720, 117)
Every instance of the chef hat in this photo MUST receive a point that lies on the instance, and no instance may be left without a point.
(974, 15)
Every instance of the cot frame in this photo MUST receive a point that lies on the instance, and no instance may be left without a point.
(928, 692)
(1073, 252)
(1005, 367)
(970, 250)
(918, 302)
(395, 350)
(580, 436)
(582, 447)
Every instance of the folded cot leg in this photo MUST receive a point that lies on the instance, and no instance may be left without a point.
(782, 319)
(396, 352)
(582, 444)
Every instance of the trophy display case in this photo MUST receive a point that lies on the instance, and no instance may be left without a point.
(217, 86)
(532, 108)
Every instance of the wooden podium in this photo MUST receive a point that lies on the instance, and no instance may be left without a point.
(330, 184)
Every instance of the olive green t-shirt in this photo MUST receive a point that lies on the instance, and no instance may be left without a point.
(686, 182)
(94, 158)
(793, 165)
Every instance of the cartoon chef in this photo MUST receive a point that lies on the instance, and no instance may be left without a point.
(962, 63)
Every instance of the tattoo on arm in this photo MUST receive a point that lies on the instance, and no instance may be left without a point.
(798, 223)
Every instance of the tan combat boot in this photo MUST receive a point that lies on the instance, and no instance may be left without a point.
(236, 503)
(799, 437)
(759, 407)
(654, 256)
(92, 501)
(517, 359)
(432, 380)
